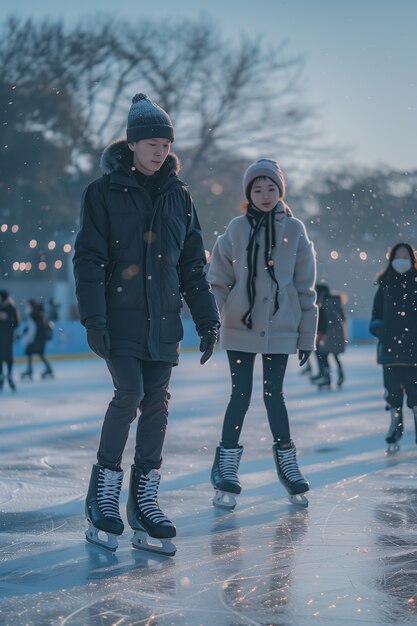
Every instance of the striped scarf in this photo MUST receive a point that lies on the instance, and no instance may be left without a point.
(257, 219)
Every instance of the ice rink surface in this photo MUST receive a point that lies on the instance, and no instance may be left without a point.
(350, 558)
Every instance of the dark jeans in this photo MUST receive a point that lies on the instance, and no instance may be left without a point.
(9, 365)
(400, 380)
(42, 358)
(241, 369)
(143, 385)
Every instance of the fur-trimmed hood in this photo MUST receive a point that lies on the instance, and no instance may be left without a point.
(118, 156)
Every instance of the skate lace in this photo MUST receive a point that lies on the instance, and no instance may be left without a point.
(108, 492)
(147, 497)
(229, 463)
(289, 466)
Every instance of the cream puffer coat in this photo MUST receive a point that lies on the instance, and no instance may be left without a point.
(294, 324)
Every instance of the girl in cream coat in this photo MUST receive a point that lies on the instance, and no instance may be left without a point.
(262, 273)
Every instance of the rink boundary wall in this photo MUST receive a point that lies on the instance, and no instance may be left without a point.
(69, 339)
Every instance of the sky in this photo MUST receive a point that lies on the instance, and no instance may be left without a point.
(360, 59)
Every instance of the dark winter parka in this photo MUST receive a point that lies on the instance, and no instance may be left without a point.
(34, 335)
(9, 321)
(134, 259)
(331, 325)
(394, 318)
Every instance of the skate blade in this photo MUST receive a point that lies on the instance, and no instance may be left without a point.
(393, 448)
(299, 499)
(101, 538)
(224, 500)
(142, 541)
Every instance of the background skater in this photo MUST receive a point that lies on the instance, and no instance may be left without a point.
(394, 323)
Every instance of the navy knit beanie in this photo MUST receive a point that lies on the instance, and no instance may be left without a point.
(147, 120)
(269, 169)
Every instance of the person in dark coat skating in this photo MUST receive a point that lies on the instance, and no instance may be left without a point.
(394, 323)
(138, 253)
(34, 338)
(331, 335)
(9, 321)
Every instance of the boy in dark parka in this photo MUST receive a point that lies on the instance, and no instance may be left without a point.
(139, 250)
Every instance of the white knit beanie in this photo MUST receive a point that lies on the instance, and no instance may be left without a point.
(264, 167)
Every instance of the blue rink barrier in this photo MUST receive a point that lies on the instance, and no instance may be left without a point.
(70, 337)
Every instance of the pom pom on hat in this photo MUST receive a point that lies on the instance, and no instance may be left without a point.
(147, 120)
(267, 168)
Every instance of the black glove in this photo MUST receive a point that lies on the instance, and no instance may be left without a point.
(98, 337)
(374, 327)
(208, 337)
(303, 356)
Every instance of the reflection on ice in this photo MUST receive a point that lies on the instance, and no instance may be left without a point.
(350, 558)
(265, 588)
(398, 561)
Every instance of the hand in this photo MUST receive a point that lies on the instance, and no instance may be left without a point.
(208, 337)
(303, 356)
(374, 327)
(99, 341)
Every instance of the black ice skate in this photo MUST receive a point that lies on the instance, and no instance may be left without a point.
(102, 507)
(289, 474)
(153, 531)
(224, 476)
(324, 382)
(395, 431)
(47, 374)
(340, 377)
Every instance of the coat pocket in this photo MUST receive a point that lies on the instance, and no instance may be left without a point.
(171, 328)
(126, 286)
(289, 312)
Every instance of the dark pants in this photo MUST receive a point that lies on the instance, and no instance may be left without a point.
(44, 361)
(9, 365)
(143, 385)
(400, 380)
(241, 369)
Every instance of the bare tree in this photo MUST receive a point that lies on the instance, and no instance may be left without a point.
(68, 89)
(220, 95)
